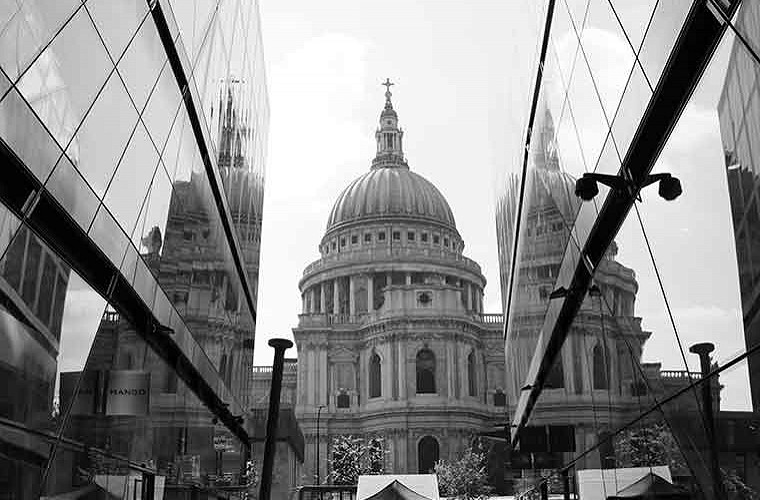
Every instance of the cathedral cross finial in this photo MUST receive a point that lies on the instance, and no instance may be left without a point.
(387, 83)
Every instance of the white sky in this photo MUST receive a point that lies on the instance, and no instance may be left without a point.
(464, 73)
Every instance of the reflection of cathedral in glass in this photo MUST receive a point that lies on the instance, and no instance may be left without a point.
(596, 384)
(188, 258)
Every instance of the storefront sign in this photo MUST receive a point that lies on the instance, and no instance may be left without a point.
(128, 392)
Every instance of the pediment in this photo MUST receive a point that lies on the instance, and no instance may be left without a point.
(343, 354)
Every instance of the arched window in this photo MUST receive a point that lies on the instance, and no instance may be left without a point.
(472, 374)
(427, 454)
(601, 367)
(499, 398)
(425, 372)
(375, 378)
(343, 400)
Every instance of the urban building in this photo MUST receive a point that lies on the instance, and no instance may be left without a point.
(393, 343)
(739, 113)
(612, 82)
(134, 138)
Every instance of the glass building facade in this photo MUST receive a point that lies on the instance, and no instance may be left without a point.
(133, 141)
(611, 273)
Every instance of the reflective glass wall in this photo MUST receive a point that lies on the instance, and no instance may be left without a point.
(602, 376)
(133, 137)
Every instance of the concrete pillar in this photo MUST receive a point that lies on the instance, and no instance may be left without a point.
(351, 300)
(322, 306)
(370, 293)
(468, 292)
(336, 297)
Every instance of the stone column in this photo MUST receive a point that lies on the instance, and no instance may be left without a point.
(336, 297)
(408, 278)
(370, 293)
(311, 377)
(313, 292)
(304, 309)
(451, 380)
(468, 291)
(322, 356)
(322, 303)
(351, 301)
(401, 369)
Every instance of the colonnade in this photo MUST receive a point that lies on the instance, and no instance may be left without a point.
(315, 298)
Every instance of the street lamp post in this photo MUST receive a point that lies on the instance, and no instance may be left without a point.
(316, 443)
(703, 350)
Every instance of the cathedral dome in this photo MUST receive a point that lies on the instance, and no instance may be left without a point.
(390, 192)
(390, 189)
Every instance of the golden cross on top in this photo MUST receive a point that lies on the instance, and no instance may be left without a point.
(387, 84)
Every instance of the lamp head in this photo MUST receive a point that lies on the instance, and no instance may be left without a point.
(586, 188)
(670, 188)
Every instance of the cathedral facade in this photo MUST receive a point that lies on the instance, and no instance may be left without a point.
(393, 343)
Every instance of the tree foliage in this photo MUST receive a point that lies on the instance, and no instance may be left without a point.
(465, 478)
(354, 456)
(649, 445)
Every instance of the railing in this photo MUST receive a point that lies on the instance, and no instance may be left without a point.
(490, 318)
(327, 492)
(324, 319)
(680, 374)
(287, 368)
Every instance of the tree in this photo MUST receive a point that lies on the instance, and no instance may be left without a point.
(354, 456)
(465, 478)
(649, 445)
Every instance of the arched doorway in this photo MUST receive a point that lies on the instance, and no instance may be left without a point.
(427, 454)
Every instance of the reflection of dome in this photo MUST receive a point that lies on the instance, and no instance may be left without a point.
(390, 192)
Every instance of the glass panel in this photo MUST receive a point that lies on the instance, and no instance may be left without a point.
(99, 144)
(129, 185)
(608, 54)
(142, 62)
(117, 22)
(162, 107)
(23, 132)
(70, 190)
(661, 36)
(631, 110)
(634, 16)
(62, 83)
(31, 25)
